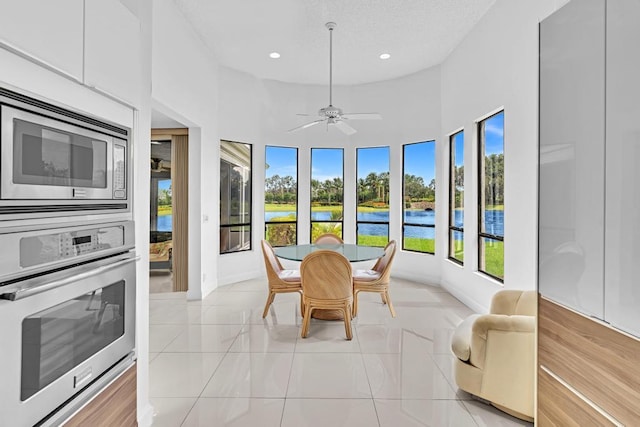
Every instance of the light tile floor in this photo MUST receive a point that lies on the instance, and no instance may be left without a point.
(216, 362)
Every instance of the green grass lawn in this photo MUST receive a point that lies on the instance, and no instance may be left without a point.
(494, 253)
(371, 209)
(164, 210)
(291, 217)
(494, 259)
(273, 207)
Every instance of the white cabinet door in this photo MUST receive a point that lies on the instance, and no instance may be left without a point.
(622, 266)
(572, 153)
(112, 49)
(49, 31)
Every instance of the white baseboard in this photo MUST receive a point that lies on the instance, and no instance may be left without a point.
(239, 277)
(473, 305)
(145, 415)
(419, 278)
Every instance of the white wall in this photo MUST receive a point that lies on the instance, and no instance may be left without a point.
(260, 111)
(496, 66)
(184, 87)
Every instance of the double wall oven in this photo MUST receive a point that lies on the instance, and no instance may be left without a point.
(67, 263)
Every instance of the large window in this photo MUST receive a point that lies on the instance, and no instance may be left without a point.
(419, 197)
(491, 196)
(327, 191)
(372, 224)
(281, 195)
(235, 197)
(456, 197)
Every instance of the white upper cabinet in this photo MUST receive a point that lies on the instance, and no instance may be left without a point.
(572, 153)
(112, 50)
(49, 31)
(622, 249)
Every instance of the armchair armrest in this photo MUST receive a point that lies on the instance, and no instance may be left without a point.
(514, 302)
(486, 324)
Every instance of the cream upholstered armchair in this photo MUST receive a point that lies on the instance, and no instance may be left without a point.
(495, 353)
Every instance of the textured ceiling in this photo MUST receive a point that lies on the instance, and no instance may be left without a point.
(417, 33)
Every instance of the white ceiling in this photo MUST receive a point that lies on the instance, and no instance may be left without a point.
(417, 33)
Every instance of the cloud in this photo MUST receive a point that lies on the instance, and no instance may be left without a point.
(494, 129)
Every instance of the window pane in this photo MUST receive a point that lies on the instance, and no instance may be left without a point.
(320, 228)
(373, 234)
(492, 257)
(280, 195)
(492, 179)
(235, 196)
(491, 196)
(327, 189)
(419, 195)
(456, 217)
(235, 239)
(420, 239)
(456, 245)
(373, 196)
(281, 234)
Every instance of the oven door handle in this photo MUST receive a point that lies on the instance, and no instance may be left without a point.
(30, 291)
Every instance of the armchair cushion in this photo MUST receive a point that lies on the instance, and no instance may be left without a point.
(461, 340)
(365, 275)
(289, 275)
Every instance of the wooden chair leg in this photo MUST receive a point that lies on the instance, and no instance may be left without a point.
(301, 304)
(383, 298)
(355, 303)
(347, 321)
(270, 299)
(306, 320)
(391, 309)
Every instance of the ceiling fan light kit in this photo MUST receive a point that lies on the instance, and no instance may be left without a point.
(330, 114)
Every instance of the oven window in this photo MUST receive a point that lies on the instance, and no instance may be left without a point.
(58, 339)
(44, 156)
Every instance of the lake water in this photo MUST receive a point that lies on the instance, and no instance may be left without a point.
(494, 222)
(164, 222)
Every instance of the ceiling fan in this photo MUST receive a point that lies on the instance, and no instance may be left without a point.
(334, 115)
(159, 165)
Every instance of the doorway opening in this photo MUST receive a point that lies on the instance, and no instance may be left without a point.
(168, 240)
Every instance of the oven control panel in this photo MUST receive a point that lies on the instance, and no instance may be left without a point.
(46, 248)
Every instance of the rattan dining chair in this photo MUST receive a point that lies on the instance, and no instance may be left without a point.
(328, 239)
(376, 280)
(280, 280)
(326, 284)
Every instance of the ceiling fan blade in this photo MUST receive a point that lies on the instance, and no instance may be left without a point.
(345, 127)
(306, 125)
(362, 116)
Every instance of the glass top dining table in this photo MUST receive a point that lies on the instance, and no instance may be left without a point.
(354, 253)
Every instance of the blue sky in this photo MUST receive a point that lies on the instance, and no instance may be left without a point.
(420, 160)
(494, 134)
(372, 160)
(326, 163)
(164, 184)
(282, 161)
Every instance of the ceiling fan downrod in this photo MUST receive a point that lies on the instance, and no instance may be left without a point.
(330, 26)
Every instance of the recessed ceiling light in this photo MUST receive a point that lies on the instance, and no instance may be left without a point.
(274, 55)
(385, 56)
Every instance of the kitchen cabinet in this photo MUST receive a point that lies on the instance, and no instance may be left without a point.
(589, 230)
(112, 50)
(572, 156)
(622, 237)
(50, 32)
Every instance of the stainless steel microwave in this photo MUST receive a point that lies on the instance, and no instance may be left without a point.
(55, 162)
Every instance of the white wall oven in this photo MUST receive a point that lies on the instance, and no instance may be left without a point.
(58, 163)
(67, 317)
